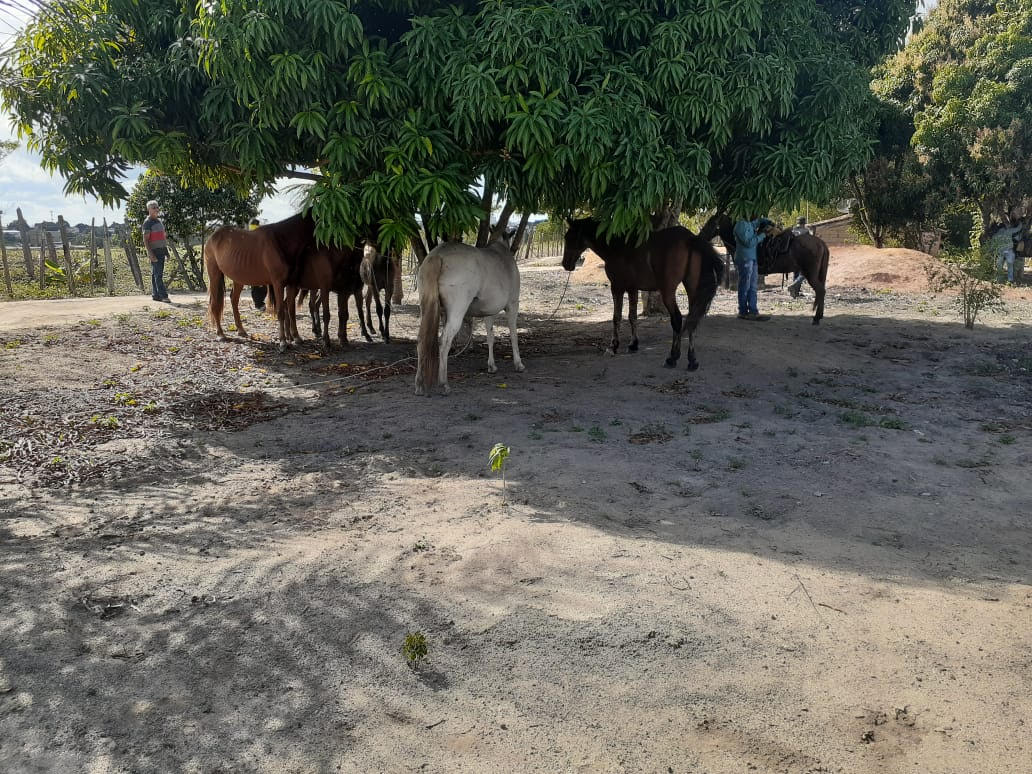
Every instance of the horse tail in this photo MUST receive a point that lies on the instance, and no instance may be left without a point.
(711, 273)
(822, 274)
(428, 344)
(216, 286)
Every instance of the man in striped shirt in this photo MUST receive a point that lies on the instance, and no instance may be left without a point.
(155, 242)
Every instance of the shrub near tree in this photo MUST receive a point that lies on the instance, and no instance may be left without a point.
(626, 109)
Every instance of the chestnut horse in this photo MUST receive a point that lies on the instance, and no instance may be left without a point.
(780, 253)
(670, 257)
(273, 254)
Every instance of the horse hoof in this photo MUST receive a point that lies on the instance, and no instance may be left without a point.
(369, 338)
(610, 352)
(445, 389)
(282, 348)
(693, 365)
(633, 347)
(420, 391)
(386, 339)
(670, 362)
(816, 322)
(492, 369)
(520, 368)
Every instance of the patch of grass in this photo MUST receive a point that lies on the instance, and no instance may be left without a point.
(736, 463)
(856, 419)
(785, 411)
(597, 434)
(472, 417)
(986, 368)
(150, 407)
(415, 648)
(12, 344)
(50, 339)
(93, 321)
(123, 318)
(193, 321)
(421, 545)
(651, 433)
(125, 399)
(109, 422)
(696, 454)
(576, 429)
(615, 423)
(1007, 440)
(792, 371)
(534, 435)
(892, 423)
(173, 350)
(994, 427)
(162, 314)
(709, 417)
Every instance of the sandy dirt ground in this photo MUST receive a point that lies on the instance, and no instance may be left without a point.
(811, 555)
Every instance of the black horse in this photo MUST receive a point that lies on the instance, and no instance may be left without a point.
(782, 253)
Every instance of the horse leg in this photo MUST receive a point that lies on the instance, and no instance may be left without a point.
(361, 319)
(618, 294)
(512, 312)
(324, 299)
(313, 312)
(387, 317)
(295, 336)
(489, 325)
(670, 302)
(368, 305)
(234, 298)
(281, 315)
(379, 314)
(632, 316)
(452, 323)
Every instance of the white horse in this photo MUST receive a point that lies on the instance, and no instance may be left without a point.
(457, 281)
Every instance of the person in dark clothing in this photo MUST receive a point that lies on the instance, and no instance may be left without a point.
(154, 240)
(258, 292)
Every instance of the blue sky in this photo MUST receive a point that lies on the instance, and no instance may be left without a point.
(23, 183)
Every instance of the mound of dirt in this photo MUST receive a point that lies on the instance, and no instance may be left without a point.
(890, 268)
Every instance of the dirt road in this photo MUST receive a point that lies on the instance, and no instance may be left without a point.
(812, 555)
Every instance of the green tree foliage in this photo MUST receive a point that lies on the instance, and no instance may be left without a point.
(7, 147)
(893, 195)
(966, 79)
(402, 106)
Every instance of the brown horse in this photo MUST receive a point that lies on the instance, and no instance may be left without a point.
(671, 257)
(273, 254)
(781, 253)
(377, 272)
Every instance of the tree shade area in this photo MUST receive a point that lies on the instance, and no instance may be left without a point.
(401, 106)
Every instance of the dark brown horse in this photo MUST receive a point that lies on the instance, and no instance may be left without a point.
(781, 253)
(347, 284)
(671, 257)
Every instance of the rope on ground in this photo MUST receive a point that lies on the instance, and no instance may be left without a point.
(555, 311)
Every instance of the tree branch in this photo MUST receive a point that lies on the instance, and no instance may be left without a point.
(503, 220)
(487, 202)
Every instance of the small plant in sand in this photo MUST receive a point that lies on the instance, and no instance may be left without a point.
(972, 275)
(415, 648)
(499, 454)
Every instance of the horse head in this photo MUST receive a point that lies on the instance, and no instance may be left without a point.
(576, 241)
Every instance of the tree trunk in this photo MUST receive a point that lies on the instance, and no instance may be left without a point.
(487, 202)
(521, 231)
(503, 221)
(67, 250)
(397, 292)
(109, 268)
(419, 249)
(861, 210)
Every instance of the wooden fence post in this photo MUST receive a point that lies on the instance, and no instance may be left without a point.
(108, 265)
(130, 254)
(51, 249)
(23, 228)
(67, 250)
(7, 269)
(180, 266)
(42, 258)
(93, 251)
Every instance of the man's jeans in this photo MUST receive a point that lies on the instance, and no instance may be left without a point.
(158, 290)
(1008, 258)
(748, 277)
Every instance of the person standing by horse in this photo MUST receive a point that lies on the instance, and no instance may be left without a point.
(798, 229)
(155, 242)
(259, 292)
(748, 235)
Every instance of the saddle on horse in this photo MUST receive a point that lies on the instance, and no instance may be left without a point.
(772, 249)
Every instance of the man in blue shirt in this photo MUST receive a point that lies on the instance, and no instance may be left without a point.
(747, 237)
